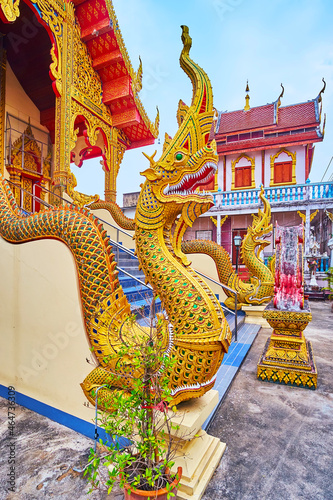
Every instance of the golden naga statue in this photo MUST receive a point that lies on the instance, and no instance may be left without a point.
(79, 199)
(193, 327)
(261, 287)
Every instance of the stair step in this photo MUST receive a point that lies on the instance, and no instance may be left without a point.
(137, 294)
(127, 264)
(134, 271)
(128, 282)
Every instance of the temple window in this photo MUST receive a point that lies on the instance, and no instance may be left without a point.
(28, 160)
(282, 172)
(243, 172)
(283, 168)
(204, 235)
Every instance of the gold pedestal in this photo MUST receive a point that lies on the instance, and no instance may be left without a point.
(198, 453)
(287, 357)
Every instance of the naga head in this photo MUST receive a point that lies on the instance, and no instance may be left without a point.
(188, 159)
(261, 225)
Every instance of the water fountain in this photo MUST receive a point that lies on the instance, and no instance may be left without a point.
(287, 357)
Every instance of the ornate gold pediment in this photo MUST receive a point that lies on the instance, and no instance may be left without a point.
(28, 147)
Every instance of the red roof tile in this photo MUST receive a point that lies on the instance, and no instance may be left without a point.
(296, 115)
(234, 121)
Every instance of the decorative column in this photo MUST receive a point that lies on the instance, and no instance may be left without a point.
(63, 111)
(218, 229)
(287, 357)
(321, 243)
(218, 222)
(15, 177)
(307, 230)
(43, 194)
(110, 190)
(263, 167)
(115, 154)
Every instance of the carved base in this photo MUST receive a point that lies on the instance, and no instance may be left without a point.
(199, 459)
(198, 453)
(279, 373)
(287, 357)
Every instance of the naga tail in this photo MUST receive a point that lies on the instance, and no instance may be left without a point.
(116, 213)
(226, 273)
(84, 235)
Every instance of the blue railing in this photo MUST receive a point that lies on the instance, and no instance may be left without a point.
(275, 194)
(323, 264)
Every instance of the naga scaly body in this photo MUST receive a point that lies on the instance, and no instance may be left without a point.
(198, 334)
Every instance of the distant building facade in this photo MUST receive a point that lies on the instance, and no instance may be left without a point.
(273, 146)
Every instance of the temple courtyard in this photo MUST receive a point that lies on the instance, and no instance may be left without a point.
(279, 439)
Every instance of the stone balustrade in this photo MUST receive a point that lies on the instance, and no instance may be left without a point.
(275, 195)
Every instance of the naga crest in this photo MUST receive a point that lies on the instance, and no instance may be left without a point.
(188, 159)
(261, 225)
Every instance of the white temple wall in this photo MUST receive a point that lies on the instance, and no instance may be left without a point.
(300, 162)
(44, 345)
(257, 155)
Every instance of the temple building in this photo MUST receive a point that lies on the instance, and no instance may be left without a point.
(270, 145)
(68, 93)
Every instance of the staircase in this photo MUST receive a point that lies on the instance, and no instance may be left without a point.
(138, 295)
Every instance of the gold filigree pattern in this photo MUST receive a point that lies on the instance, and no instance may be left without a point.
(25, 152)
(10, 9)
(85, 78)
(222, 221)
(27, 199)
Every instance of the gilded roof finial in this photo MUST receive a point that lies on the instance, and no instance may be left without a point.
(247, 97)
(277, 104)
(322, 91)
(281, 95)
(320, 100)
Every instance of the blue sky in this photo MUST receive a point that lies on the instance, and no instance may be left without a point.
(266, 42)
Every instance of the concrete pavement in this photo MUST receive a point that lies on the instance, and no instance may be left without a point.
(279, 439)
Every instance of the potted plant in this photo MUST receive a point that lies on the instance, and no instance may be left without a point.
(140, 448)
